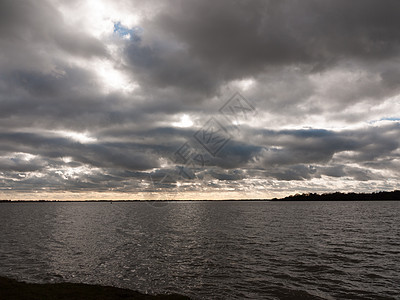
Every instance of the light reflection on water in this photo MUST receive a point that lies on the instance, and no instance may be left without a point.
(223, 250)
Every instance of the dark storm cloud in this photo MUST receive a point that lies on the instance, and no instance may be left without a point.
(228, 175)
(20, 165)
(164, 68)
(68, 100)
(227, 40)
(285, 31)
(284, 155)
(309, 60)
(319, 146)
(130, 156)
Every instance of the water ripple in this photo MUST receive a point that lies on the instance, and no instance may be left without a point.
(209, 250)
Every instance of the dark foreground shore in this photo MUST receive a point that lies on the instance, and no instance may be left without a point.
(12, 289)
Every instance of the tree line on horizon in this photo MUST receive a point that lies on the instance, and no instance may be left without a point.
(338, 196)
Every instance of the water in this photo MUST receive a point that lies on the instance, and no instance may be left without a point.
(209, 250)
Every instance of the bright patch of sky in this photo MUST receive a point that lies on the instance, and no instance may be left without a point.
(128, 33)
(81, 137)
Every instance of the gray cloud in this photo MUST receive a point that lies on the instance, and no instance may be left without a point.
(323, 76)
(244, 38)
(33, 33)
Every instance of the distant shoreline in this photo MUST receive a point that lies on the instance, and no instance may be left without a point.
(338, 196)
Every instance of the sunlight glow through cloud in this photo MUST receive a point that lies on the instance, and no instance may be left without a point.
(98, 17)
(245, 84)
(185, 121)
(81, 137)
(113, 79)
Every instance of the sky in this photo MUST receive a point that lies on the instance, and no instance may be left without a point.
(117, 99)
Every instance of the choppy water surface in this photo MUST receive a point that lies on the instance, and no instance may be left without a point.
(209, 250)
